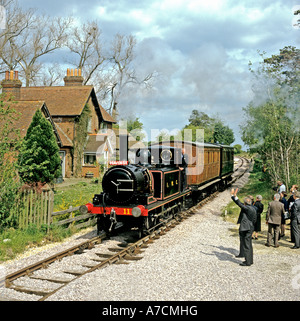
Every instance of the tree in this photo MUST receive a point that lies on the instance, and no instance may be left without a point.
(9, 146)
(200, 119)
(85, 42)
(17, 22)
(222, 134)
(27, 38)
(44, 37)
(214, 129)
(39, 160)
(237, 148)
(122, 70)
(271, 127)
(134, 127)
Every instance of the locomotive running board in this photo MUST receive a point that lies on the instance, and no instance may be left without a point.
(163, 202)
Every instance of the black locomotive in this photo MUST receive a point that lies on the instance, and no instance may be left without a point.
(154, 187)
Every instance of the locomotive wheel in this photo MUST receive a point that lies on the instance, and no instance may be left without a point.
(148, 223)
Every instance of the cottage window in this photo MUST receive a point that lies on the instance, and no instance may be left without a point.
(89, 159)
(89, 129)
(103, 128)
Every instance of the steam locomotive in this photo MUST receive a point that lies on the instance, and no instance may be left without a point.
(157, 184)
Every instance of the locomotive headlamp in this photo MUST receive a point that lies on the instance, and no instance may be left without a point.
(136, 212)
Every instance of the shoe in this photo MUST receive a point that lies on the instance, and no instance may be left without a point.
(294, 247)
(268, 245)
(256, 238)
(239, 255)
(276, 245)
(244, 264)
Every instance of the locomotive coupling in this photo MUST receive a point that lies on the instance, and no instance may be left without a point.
(113, 219)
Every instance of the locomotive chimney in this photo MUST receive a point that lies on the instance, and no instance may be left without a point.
(73, 78)
(123, 139)
(11, 84)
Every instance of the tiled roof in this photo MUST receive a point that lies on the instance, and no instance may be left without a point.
(106, 116)
(65, 139)
(95, 143)
(25, 111)
(61, 101)
(65, 100)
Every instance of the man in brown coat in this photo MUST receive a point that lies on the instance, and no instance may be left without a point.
(274, 214)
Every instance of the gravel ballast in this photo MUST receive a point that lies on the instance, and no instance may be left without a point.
(195, 261)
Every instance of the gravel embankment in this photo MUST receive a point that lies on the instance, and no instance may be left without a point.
(194, 261)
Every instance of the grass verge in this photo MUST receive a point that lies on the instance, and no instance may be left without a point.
(256, 185)
(16, 241)
(75, 195)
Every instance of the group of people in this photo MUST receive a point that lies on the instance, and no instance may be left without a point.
(279, 210)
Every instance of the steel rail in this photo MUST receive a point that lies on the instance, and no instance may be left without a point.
(44, 263)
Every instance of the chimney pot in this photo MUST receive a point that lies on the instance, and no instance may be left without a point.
(11, 85)
(73, 78)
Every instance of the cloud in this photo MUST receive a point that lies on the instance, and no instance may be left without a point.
(200, 50)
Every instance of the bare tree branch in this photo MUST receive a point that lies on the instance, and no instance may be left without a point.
(85, 43)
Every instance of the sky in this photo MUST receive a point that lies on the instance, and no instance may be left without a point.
(199, 48)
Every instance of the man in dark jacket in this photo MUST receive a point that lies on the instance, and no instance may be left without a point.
(246, 220)
(295, 219)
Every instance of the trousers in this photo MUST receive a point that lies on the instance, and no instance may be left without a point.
(276, 228)
(246, 249)
(295, 227)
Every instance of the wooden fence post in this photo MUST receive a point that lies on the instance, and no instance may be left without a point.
(49, 209)
(71, 215)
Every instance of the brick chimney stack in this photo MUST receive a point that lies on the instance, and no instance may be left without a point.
(11, 84)
(73, 78)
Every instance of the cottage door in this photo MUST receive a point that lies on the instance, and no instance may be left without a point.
(62, 155)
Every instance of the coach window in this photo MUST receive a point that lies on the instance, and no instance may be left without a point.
(206, 157)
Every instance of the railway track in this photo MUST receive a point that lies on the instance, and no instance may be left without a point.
(119, 253)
